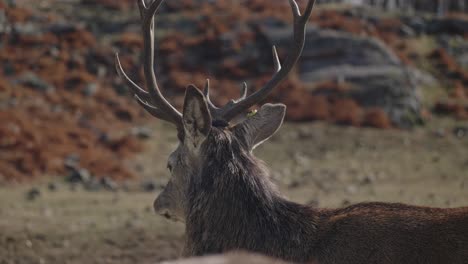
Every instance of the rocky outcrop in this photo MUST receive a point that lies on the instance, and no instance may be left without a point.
(376, 75)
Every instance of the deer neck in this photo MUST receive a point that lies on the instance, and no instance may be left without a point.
(235, 206)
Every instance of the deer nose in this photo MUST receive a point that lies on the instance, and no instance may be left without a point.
(160, 209)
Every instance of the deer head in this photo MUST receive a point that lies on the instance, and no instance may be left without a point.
(201, 124)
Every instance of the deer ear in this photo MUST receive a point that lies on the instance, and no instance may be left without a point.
(261, 126)
(196, 117)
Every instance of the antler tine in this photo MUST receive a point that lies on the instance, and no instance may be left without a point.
(214, 110)
(276, 59)
(244, 90)
(137, 90)
(308, 11)
(161, 108)
(152, 110)
(151, 82)
(142, 8)
(300, 21)
(206, 92)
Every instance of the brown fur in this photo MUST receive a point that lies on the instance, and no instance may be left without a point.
(233, 205)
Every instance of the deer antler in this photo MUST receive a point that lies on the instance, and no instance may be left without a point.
(152, 100)
(155, 103)
(236, 107)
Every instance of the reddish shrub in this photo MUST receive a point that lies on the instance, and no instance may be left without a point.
(172, 43)
(333, 19)
(445, 107)
(33, 144)
(130, 40)
(405, 57)
(455, 109)
(78, 78)
(458, 91)
(461, 113)
(425, 114)
(111, 4)
(446, 62)
(376, 117)
(230, 68)
(79, 39)
(391, 39)
(346, 112)
(331, 87)
(319, 108)
(389, 25)
(18, 14)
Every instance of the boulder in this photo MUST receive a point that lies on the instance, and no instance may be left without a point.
(457, 47)
(377, 76)
(30, 79)
(328, 48)
(448, 25)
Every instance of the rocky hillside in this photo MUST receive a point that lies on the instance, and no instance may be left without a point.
(63, 108)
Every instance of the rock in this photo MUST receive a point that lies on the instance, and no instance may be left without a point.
(126, 186)
(351, 189)
(10, 239)
(141, 132)
(366, 180)
(149, 186)
(78, 176)
(109, 184)
(448, 25)
(124, 115)
(52, 186)
(8, 69)
(27, 29)
(345, 202)
(33, 194)
(32, 80)
(463, 60)
(406, 31)
(47, 212)
(294, 184)
(29, 243)
(376, 76)
(92, 185)
(71, 161)
(301, 160)
(460, 131)
(457, 47)
(327, 47)
(91, 89)
(416, 23)
(62, 28)
(440, 133)
(305, 133)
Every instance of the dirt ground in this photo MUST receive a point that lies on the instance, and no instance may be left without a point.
(323, 165)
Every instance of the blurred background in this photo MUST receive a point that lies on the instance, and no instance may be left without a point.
(377, 111)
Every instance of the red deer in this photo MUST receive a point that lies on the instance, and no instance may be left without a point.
(228, 202)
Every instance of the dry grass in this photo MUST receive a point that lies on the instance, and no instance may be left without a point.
(324, 165)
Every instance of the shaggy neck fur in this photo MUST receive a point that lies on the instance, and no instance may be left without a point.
(233, 205)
